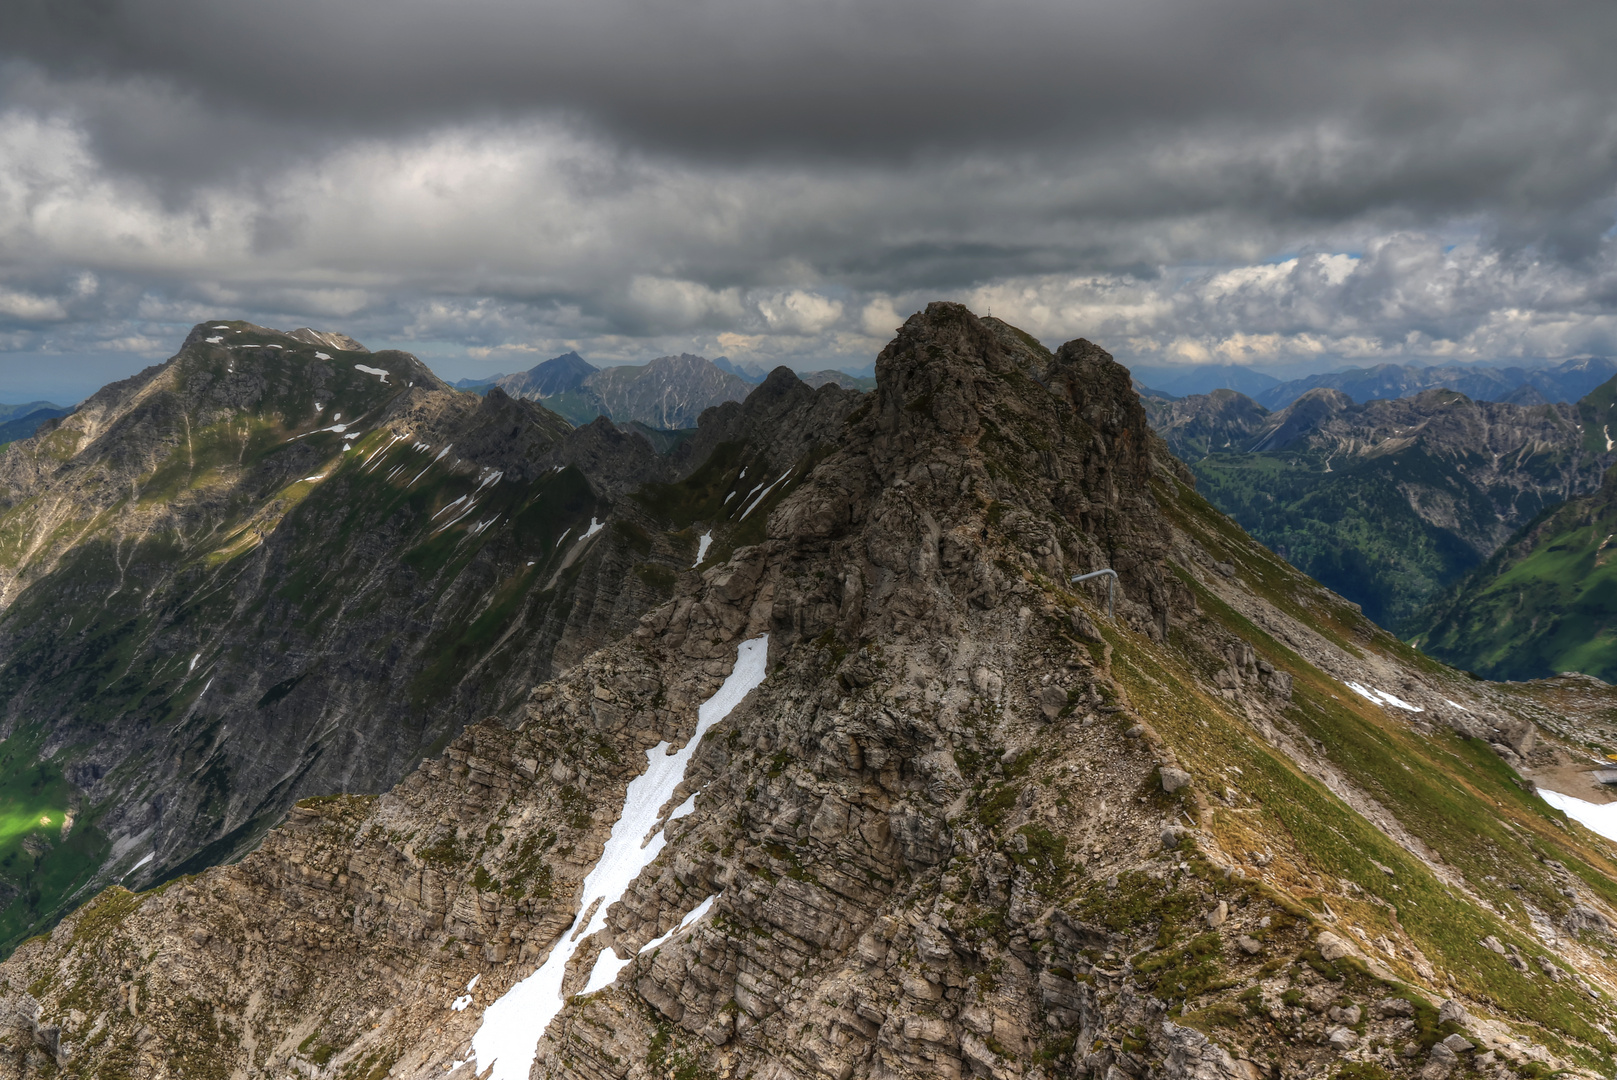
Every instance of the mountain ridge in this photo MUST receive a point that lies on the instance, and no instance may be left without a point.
(962, 823)
(263, 570)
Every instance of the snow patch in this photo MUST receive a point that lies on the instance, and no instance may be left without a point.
(1382, 698)
(608, 966)
(1605, 429)
(216, 340)
(1596, 817)
(460, 1003)
(594, 528)
(754, 504)
(372, 371)
(150, 855)
(684, 809)
(312, 479)
(225, 328)
(696, 913)
(1455, 705)
(703, 542)
(512, 1027)
(321, 356)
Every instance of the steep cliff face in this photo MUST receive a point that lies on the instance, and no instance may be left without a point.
(875, 794)
(272, 568)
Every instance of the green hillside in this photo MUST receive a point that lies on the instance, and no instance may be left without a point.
(1545, 603)
(1354, 528)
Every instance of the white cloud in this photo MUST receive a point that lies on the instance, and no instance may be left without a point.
(30, 308)
(799, 312)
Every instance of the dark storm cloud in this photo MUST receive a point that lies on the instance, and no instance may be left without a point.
(732, 77)
(785, 178)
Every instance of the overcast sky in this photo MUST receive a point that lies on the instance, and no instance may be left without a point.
(490, 182)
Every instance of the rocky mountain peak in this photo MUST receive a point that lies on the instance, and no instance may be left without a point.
(327, 338)
(873, 791)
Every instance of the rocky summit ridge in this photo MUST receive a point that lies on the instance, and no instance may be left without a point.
(960, 823)
(281, 565)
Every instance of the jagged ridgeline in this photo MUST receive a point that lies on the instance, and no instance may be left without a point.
(943, 817)
(279, 565)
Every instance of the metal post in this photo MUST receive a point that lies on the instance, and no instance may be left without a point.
(1111, 586)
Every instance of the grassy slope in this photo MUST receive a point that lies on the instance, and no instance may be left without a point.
(1452, 793)
(1545, 603)
(1332, 868)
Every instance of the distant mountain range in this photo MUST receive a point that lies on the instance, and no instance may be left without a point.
(668, 394)
(1546, 602)
(1391, 501)
(21, 421)
(1566, 381)
(1177, 381)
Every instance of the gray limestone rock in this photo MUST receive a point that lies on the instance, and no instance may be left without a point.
(1174, 779)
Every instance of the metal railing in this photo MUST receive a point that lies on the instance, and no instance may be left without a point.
(1111, 586)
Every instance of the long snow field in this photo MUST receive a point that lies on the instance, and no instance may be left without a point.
(509, 1036)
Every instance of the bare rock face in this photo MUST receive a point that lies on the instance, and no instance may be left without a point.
(888, 859)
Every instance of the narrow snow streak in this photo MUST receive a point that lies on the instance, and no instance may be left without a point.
(509, 1036)
(448, 507)
(1382, 698)
(703, 542)
(754, 505)
(149, 856)
(1596, 817)
(607, 965)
